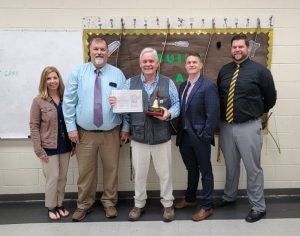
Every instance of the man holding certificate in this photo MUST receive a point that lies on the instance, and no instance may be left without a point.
(94, 128)
(151, 134)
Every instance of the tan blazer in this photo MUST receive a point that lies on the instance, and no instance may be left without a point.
(43, 124)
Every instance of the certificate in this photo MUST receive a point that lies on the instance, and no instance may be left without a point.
(128, 101)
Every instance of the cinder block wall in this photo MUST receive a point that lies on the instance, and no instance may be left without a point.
(20, 170)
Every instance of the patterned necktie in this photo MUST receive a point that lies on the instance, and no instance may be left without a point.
(229, 108)
(98, 118)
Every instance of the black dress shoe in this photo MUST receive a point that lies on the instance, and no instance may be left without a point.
(254, 216)
(222, 203)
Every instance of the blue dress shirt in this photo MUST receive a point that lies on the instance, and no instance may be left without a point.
(78, 102)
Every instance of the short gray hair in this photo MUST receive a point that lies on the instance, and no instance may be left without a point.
(149, 50)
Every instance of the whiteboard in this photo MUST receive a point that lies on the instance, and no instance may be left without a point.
(23, 56)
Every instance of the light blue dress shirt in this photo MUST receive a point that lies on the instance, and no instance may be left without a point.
(173, 93)
(78, 101)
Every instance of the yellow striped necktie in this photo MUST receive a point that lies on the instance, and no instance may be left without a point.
(229, 108)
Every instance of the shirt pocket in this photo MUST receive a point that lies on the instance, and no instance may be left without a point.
(48, 114)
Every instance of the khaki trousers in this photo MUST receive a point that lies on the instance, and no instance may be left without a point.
(55, 172)
(162, 162)
(107, 144)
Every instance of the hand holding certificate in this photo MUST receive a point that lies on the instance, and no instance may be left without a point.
(128, 101)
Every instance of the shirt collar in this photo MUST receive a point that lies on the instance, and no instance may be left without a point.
(144, 79)
(194, 80)
(241, 64)
(102, 69)
(50, 99)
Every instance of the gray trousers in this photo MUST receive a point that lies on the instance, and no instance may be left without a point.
(243, 141)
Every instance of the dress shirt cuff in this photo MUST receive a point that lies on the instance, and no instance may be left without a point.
(71, 127)
(173, 113)
(125, 127)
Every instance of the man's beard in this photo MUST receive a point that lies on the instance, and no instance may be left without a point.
(99, 60)
(242, 58)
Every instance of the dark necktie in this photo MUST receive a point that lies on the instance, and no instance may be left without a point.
(183, 102)
(229, 108)
(98, 118)
(187, 87)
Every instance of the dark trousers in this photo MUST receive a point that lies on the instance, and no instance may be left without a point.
(196, 157)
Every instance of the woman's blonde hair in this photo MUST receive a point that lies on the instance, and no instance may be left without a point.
(43, 92)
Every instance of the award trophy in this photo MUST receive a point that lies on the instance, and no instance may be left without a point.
(155, 109)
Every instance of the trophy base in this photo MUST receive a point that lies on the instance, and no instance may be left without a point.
(155, 113)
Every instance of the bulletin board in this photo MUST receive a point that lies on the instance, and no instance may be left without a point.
(173, 46)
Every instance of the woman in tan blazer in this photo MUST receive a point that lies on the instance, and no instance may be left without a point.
(50, 139)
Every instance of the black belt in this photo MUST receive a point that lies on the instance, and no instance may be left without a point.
(97, 130)
(237, 123)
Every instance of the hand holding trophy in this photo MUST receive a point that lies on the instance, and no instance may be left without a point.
(155, 109)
